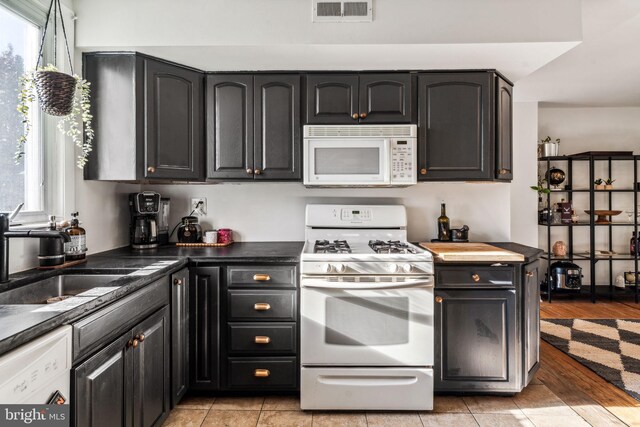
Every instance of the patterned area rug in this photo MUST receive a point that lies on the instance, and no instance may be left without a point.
(609, 347)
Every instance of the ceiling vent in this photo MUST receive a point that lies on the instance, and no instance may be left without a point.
(342, 11)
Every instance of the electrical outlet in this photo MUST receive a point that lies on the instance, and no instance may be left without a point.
(199, 206)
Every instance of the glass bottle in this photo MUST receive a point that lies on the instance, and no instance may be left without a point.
(633, 244)
(443, 224)
(76, 249)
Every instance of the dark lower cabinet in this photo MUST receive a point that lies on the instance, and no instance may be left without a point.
(531, 319)
(476, 340)
(179, 335)
(127, 383)
(204, 332)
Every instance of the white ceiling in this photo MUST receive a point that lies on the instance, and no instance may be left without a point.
(602, 71)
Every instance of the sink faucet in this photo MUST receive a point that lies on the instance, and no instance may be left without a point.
(5, 234)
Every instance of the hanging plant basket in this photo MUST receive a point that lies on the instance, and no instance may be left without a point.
(59, 94)
(56, 91)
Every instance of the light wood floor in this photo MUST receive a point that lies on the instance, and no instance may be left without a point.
(564, 394)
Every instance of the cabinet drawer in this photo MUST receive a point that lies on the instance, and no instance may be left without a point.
(106, 324)
(261, 305)
(267, 276)
(272, 373)
(482, 276)
(260, 338)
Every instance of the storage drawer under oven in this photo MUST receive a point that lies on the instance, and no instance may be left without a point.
(262, 373)
(261, 305)
(475, 276)
(261, 338)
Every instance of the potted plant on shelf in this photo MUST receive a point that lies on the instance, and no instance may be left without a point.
(599, 184)
(548, 148)
(608, 184)
(59, 94)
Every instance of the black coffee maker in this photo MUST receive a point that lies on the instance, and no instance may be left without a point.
(143, 227)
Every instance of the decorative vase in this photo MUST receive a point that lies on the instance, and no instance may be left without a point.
(549, 149)
(608, 187)
(599, 186)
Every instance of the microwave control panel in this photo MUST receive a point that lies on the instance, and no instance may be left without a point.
(402, 160)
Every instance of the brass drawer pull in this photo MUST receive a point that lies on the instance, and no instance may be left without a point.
(261, 277)
(261, 306)
(475, 277)
(423, 171)
(262, 340)
(261, 373)
(439, 300)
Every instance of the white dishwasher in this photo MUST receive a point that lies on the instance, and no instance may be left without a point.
(34, 372)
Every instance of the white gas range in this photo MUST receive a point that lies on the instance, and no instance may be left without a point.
(366, 311)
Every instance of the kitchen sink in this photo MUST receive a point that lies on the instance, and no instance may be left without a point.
(58, 286)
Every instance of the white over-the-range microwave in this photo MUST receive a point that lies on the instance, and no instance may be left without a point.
(360, 155)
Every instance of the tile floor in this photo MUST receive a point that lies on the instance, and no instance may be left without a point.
(535, 406)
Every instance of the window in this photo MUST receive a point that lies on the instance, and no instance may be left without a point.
(21, 182)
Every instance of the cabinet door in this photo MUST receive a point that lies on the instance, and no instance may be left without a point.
(475, 340)
(204, 333)
(385, 98)
(332, 99)
(531, 321)
(504, 130)
(103, 387)
(230, 126)
(174, 111)
(276, 139)
(455, 131)
(151, 369)
(179, 335)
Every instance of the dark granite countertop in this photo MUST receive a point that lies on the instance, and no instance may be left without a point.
(21, 323)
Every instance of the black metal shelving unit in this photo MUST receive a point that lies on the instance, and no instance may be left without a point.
(591, 256)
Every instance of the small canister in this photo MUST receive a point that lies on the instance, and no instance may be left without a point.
(210, 236)
(225, 235)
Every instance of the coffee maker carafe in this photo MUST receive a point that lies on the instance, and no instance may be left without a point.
(143, 228)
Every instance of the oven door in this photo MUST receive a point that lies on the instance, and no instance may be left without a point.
(367, 324)
(334, 162)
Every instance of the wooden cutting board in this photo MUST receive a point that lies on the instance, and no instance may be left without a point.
(471, 252)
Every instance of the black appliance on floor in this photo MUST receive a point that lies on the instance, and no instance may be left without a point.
(143, 227)
(565, 276)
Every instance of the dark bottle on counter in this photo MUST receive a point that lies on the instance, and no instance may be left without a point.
(633, 244)
(76, 249)
(444, 233)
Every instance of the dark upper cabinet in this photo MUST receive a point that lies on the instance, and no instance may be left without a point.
(126, 383)
(174, 116)
(103, 387)
(531, 319)
(359, 98)
(455, 126)
(276, 147)
(147, 117)
(504, 130)
(204, 333)
(230, 126)
(253, 126)
(179, 335)
(475, 341)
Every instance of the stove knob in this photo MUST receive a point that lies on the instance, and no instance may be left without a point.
(407, 268)
(325, 268)
(392, 268)
(340, 268)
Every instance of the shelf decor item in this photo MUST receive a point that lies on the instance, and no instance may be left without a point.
(608, 183)
(555, 177)
(67, 96)
(559, 249)
(549, 148)
(598, 184)
(602, 215)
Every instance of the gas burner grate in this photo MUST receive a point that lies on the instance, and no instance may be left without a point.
(391, 247)
(331, 247)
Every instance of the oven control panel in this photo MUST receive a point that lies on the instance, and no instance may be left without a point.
(402, 160)
(355, 214)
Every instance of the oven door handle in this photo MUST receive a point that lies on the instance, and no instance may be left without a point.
(364, 286)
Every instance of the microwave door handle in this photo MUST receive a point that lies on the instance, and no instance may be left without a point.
(364, 286)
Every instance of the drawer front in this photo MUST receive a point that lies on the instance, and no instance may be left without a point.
(108, 323)
(253, 373)
(260, 339)
(475, 277)
(267, 276)
(261, 305)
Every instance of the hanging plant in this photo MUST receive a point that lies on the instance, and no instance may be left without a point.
(59, 94)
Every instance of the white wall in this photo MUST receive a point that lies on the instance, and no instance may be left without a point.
(587, 129)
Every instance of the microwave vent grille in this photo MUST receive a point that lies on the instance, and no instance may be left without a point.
(391, 131)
